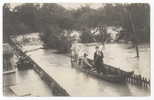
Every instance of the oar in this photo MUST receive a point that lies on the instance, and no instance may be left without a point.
(93, 69)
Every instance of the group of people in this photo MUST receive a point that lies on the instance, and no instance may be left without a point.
(98, 61)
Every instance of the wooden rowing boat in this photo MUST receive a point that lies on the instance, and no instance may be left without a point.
(112, 74)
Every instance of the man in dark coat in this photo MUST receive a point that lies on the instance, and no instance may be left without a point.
(98, 60)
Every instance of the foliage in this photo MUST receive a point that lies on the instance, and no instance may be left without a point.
(55, 22)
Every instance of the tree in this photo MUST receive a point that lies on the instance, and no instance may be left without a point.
(53, 21)
(6, 20)
(86, 36)
(138, 16)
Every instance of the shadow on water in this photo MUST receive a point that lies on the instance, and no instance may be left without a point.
(119, 88)
(59, 67)
(30, 79)
(59, 52)
(80, 84)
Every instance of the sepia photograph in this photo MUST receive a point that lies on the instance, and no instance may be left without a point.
(76, 49)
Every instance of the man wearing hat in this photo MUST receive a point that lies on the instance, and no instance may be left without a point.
(98, 60)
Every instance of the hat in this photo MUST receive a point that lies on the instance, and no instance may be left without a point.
(85, 55)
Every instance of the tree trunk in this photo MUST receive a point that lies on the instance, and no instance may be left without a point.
(137, 50)
(134, 32)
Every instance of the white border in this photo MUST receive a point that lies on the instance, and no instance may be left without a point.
(75, 1)
(151, 2)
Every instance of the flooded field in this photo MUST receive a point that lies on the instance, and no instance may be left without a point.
(122, 56)
(29, 82)
(74, 82)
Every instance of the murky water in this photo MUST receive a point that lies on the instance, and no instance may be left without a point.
(123, 57)
(28, 80)
(77, 83)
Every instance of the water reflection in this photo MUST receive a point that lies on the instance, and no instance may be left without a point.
(123, 57)
(33, 83)
(78, 83)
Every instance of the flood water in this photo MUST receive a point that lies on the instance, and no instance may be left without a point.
(77, 83)
(31, 81)
(28, 80)
(25, 81)
(122, 56)
(74, 82)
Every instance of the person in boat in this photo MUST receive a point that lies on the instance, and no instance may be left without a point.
(98, 60)
(85, 62)
(74, 55)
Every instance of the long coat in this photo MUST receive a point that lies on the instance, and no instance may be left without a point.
(98, 58)
(98, 61)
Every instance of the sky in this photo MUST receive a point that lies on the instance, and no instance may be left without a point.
(70, 5)
(78, 5)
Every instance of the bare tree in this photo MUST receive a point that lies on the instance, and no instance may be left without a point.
(135, 43)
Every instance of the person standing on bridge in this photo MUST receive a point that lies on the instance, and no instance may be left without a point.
(98, 60)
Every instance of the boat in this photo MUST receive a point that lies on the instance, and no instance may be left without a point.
(23, 63)
(112, 74)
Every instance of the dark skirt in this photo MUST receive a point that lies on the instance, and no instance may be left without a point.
(100, 67)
